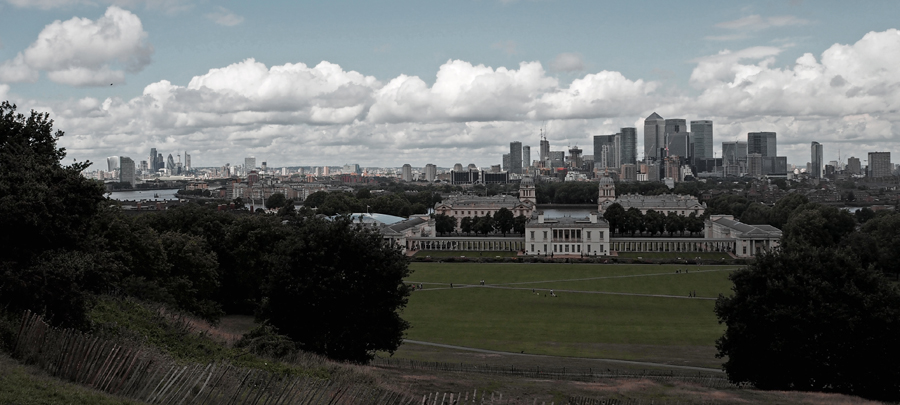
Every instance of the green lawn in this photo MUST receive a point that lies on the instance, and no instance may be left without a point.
(676, 255)
(466, 253)
(512, 318)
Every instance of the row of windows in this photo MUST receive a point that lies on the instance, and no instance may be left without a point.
(569, 234)
(567, 248)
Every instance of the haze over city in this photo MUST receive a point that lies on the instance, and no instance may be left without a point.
(402, 82)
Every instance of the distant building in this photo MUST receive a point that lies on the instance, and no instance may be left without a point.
(187, 162)
(112, 163)
(628, 146)
(557, 159)
(750, 239)
(153, 159)
(879, 164)
(567, 236)
(664, 203)
(544, 151)
(249, 164)
(170, 165)
(654, 137)
(853, 166)
(526, 156)
(126, 170)
(815, 163)
(755, 165)
(505, 162)
(762, 143)
(430, 172)
(464, 205)
(515, 157)
(406, 172)
(702, 140)
(575, 160)
(606, 151)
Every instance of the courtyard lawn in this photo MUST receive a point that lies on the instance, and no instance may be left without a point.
(675, 255)
(505, 315)
(437, 254)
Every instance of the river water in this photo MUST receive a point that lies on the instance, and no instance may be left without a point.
(144, 195)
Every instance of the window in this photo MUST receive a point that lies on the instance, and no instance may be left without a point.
(545, 235)
(554, 248)
(532, 248)
(579, 248)
(589, 248)
(567, 249)
(532, 236)
(745, 250)
(588, 235)
(601, 235)
(555, 234)
(578, 233)
(545, 248)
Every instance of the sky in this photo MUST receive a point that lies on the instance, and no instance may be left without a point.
(303, 83)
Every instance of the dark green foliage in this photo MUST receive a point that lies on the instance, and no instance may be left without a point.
(811, 318)
(785, 207)
(504, 220)
(519, 225)
(467, 225)
(336, 289)
(45, 214)
(817, 225)
(264, 340)
(756, 214)
(277, 200)
(864, 214)
(444, 223)
(615, 215)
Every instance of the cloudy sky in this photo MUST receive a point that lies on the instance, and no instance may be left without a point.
(392, 82)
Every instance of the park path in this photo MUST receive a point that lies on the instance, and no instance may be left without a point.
(631, 362)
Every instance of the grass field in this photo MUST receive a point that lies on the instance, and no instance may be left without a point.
(630, 312)
(675, 255)
(466, 253)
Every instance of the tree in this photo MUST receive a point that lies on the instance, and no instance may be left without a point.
(784, 207)
(46, 211)
(755, 214)
(277, 200)
(444, 223)
(466, 225)
(336, 288)
(615, 215)
(654, 222)
(504, 220)
(520, 223)
(485, 224)
(694, 224)
(811, 318)
(315, 199)
(817, 225)
(634, 221)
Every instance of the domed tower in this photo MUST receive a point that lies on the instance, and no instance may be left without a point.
(527, 192)
(607, 192)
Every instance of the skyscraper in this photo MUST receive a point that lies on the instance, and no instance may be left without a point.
(112, 163)
(654, 137)
(153, 160)
(853, 166)
(406, 173)
(815, 162)
(605, 152)
(515, 157)
(126, 171)
(702, 139)
(762, 143)
(505, 162)
(430, 172)
(170, 164)
(628, 146)
(679, 144)
(249, 164)
(187, 161)
(526, 156)
(879, 164)
(545, 152)
(676, 125)
(734, 158)
(575, 160)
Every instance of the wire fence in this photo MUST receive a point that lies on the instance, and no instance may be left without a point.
(154, 378)
(560, 373)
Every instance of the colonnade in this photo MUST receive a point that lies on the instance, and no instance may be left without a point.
(672, 245)
(467, 244)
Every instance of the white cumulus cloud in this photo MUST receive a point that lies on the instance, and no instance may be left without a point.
(84, 52)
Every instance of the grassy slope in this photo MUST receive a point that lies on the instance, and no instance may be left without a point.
(23, 385)
(671, 330)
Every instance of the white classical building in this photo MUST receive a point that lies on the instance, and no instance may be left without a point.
(748, 239)
(664, 203)
(465, 205)
(567, 236)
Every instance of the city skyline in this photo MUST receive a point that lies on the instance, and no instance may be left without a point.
(466, 84)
